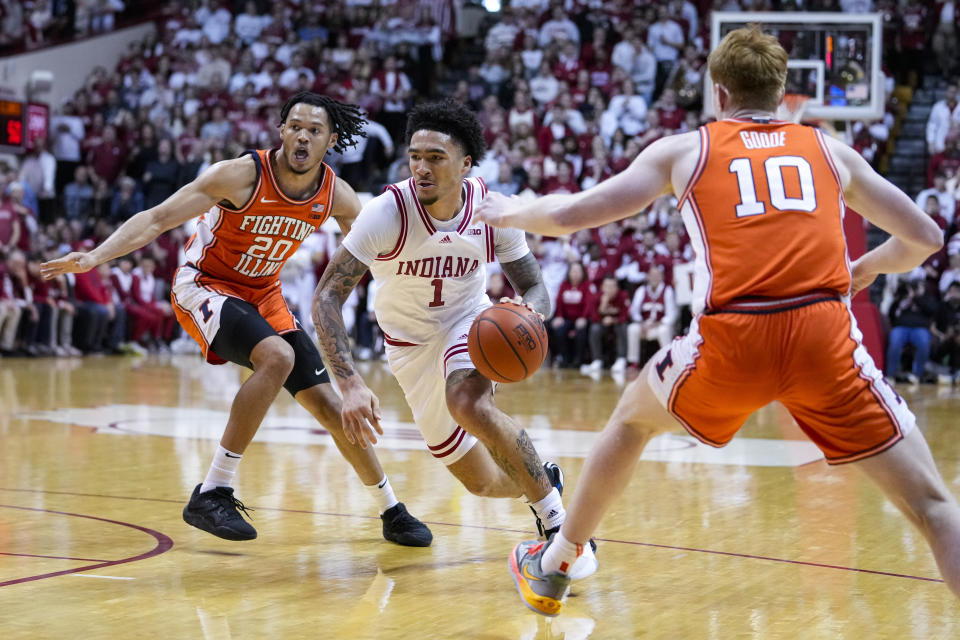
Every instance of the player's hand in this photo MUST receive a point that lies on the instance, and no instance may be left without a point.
(861, 278)
(518, 300)
(76, 262)
(360, 414)
(492, 209)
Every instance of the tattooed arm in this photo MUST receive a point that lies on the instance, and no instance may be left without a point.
(361, 408)
(525, 276)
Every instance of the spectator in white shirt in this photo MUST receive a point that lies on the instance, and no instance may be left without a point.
(216, 23)
(952, 274)
(939, 190)
(944, 115)
(250, 23)
(627, 111)
(290, 77)
(665, 39)
(653, 314)
(544, 87)
(502, 35)
(559, 28)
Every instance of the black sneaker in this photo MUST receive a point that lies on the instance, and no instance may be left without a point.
(218, 512)
(555, 475)
(401, 527)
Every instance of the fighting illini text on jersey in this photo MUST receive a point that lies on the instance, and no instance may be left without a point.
(247, 247)
(764, 210)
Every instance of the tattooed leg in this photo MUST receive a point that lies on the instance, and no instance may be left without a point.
(470, 400)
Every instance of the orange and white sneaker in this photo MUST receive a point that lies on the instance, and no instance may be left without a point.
(541, 592)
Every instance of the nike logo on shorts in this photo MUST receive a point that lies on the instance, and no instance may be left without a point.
(319, 371)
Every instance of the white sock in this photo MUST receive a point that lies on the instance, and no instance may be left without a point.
(560, 555)
(222, 470)
(382, 492)
(550, 510)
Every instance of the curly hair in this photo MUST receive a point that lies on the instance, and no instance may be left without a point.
(346, 120)
(455, 120)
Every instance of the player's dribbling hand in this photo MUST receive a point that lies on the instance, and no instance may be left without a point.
(360, 415)
(76, 262)
(518, 300)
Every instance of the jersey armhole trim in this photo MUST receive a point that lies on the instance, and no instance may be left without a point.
(256, 187)
(829, 158)
(701, 164)
(402, 211)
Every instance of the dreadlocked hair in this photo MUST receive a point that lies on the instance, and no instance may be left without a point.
(455, 120)
(346, 120)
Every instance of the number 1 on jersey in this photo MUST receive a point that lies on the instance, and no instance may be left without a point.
(437, 292)
(773, 166)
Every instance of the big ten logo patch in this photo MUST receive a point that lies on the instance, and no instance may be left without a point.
(524, 338)
(474, 232)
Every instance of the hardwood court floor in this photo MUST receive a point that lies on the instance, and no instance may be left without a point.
(760, 540)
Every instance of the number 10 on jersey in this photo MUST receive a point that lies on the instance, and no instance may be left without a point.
(773, 168)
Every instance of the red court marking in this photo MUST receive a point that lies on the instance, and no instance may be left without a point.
(488, 528)
(164, 543)
(33, 555)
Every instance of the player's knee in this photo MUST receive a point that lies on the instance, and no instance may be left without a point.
(470, 412)
(480, 485)
(273, 357)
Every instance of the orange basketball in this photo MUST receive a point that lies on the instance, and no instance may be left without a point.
(507, 342)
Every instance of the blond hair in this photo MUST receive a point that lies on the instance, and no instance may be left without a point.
(751, 66)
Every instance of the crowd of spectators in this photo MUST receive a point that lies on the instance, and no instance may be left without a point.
(569, 91)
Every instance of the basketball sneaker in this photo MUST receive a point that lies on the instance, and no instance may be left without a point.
(218, 512)
(541, 592)
(401, 527)
(555, 475)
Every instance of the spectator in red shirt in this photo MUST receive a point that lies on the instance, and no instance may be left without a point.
(568, 327)
(563, 182)
(947, 161)
(608, 318)
(9, 312)
(108, 157)
(498, 288)
(20, 293)
(10, 226)
(144, 322)
(96, 312)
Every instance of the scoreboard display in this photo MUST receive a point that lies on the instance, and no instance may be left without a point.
(11, 123)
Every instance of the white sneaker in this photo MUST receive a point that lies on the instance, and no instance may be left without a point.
(912, 379)
(593, 367)
(619, 366)
(944, 380)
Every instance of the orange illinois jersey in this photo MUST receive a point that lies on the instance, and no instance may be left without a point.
(764, 210)
(248, 247)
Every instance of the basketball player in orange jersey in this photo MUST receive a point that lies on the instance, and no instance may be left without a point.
(428, 256)
(259, 208)
(763, 203)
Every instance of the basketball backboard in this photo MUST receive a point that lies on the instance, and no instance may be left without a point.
(834, 59)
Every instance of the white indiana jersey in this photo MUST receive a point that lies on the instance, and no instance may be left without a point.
(430, 273)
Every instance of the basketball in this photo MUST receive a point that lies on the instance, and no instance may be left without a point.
(507, 342)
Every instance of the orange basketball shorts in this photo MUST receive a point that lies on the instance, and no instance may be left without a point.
(198, 299)
(804, 352)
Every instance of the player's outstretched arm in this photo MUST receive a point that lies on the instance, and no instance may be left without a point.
(346, 205)
(360, 405)
(914, 234)
(221, 181)
(625, 194)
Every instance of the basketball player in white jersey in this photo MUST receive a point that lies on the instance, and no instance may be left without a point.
(428, 256)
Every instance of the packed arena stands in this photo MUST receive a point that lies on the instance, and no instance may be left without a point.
(569, 92)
